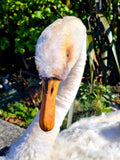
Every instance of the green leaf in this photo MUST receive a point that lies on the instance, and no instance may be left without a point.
(5, 113)
(1, 112)
(18, 2)
(33, 113)
(91, 52)
(38, 14)
(70, 115)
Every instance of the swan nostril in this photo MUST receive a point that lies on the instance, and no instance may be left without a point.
(52, 90)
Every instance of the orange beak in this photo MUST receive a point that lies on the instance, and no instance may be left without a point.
(47, 112)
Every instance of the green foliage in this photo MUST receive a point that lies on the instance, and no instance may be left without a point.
(20, 111)
(100, 47)
(88, 104)
(110, 38)
(21, 22)
(96, 102)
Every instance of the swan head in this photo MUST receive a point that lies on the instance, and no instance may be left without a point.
(57, 51)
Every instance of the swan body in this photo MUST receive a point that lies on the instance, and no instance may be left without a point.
(94, 138)
(60, 59)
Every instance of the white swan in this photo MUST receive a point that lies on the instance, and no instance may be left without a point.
(60, 58)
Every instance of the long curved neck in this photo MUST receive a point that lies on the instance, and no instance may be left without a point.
(68, 88)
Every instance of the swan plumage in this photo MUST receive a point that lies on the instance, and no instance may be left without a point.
(94, 138)
(60, 55)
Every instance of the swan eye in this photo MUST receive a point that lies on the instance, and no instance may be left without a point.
(68, 53)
